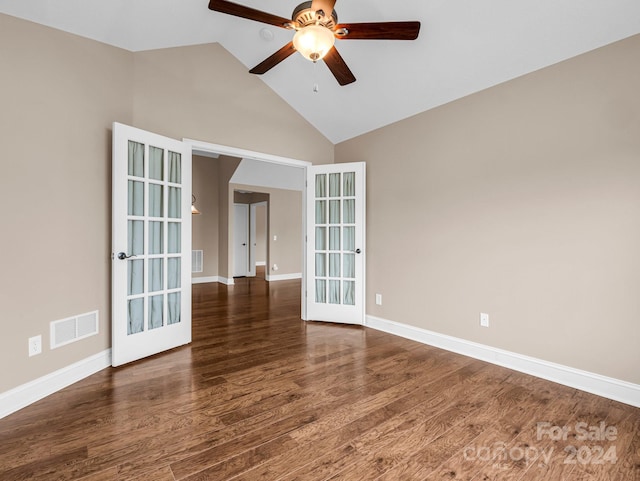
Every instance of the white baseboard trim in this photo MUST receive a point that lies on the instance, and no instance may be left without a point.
(283, 277)
(221, 280)
(204, 280)
(261, 263)
(604, 386)
(22, 396)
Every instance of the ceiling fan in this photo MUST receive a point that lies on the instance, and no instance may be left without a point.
(316, 25)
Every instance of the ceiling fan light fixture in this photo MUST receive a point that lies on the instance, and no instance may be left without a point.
(313, 41)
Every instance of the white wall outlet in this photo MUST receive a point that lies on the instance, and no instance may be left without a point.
(275, 267)
(275, 237)
(35, 345)
(379, 299)
(484, 319)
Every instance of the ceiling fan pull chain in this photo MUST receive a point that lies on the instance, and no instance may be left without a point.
(316, 88)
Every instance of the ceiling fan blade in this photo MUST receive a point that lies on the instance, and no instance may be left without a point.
(379, 31)
(325, 5)
(338, 67)
(270, 62)
(248, 13)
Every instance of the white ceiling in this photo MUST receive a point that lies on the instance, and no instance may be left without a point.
(464, 46)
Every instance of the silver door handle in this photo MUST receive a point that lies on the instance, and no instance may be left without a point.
(122, 256)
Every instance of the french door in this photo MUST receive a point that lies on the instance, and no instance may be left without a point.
(335, 270)
(151, 245)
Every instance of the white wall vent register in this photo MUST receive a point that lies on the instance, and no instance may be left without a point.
(196, 261)
(73, 329)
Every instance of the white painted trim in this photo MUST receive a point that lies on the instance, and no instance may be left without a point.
(206, 149)
(203, 280)
(604, 386)
(261, 263)
(283, 277)
(26, 394)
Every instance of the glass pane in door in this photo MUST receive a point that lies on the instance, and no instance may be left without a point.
(156, 308)
(156, 274)
(136, 198)
(135, 321)
(156, 163)
(174, 202)
(136, 159)
(156, 237)
(135, 275)
(175, 168)
(174, 237)
(156, 201)
(173, 308)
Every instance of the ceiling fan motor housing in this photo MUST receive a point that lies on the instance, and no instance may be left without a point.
(303, 15)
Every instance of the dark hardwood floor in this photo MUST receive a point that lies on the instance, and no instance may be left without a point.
(259, 394)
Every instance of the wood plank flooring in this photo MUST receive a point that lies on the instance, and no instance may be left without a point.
(261, 395)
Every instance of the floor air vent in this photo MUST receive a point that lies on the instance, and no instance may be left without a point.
(73, 329)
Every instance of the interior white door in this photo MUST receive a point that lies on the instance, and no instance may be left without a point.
(257, 235)
(335, 257)
(151, 224)
(240, 240)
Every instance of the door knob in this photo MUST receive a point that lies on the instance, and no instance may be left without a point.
(122, 256)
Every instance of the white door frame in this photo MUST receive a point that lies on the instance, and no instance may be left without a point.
(207, 149)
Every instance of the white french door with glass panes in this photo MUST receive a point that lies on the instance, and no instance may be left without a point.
(335, 270)
(151, 223)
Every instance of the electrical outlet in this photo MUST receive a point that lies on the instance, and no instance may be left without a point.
(35, 345)
(379, 299)
(484, 319)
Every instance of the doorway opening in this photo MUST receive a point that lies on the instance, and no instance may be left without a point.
(250, 228)
(279, 215)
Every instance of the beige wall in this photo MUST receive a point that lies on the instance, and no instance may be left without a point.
(228, 166)
(203, 93)
(60, 94)
(522, 201)
(204, 228)
(261, 233)
(285, 222)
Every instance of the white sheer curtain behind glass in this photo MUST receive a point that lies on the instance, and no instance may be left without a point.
(335, 238)
(157, 185)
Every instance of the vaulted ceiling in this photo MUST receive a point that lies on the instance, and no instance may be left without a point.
(464, 46)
